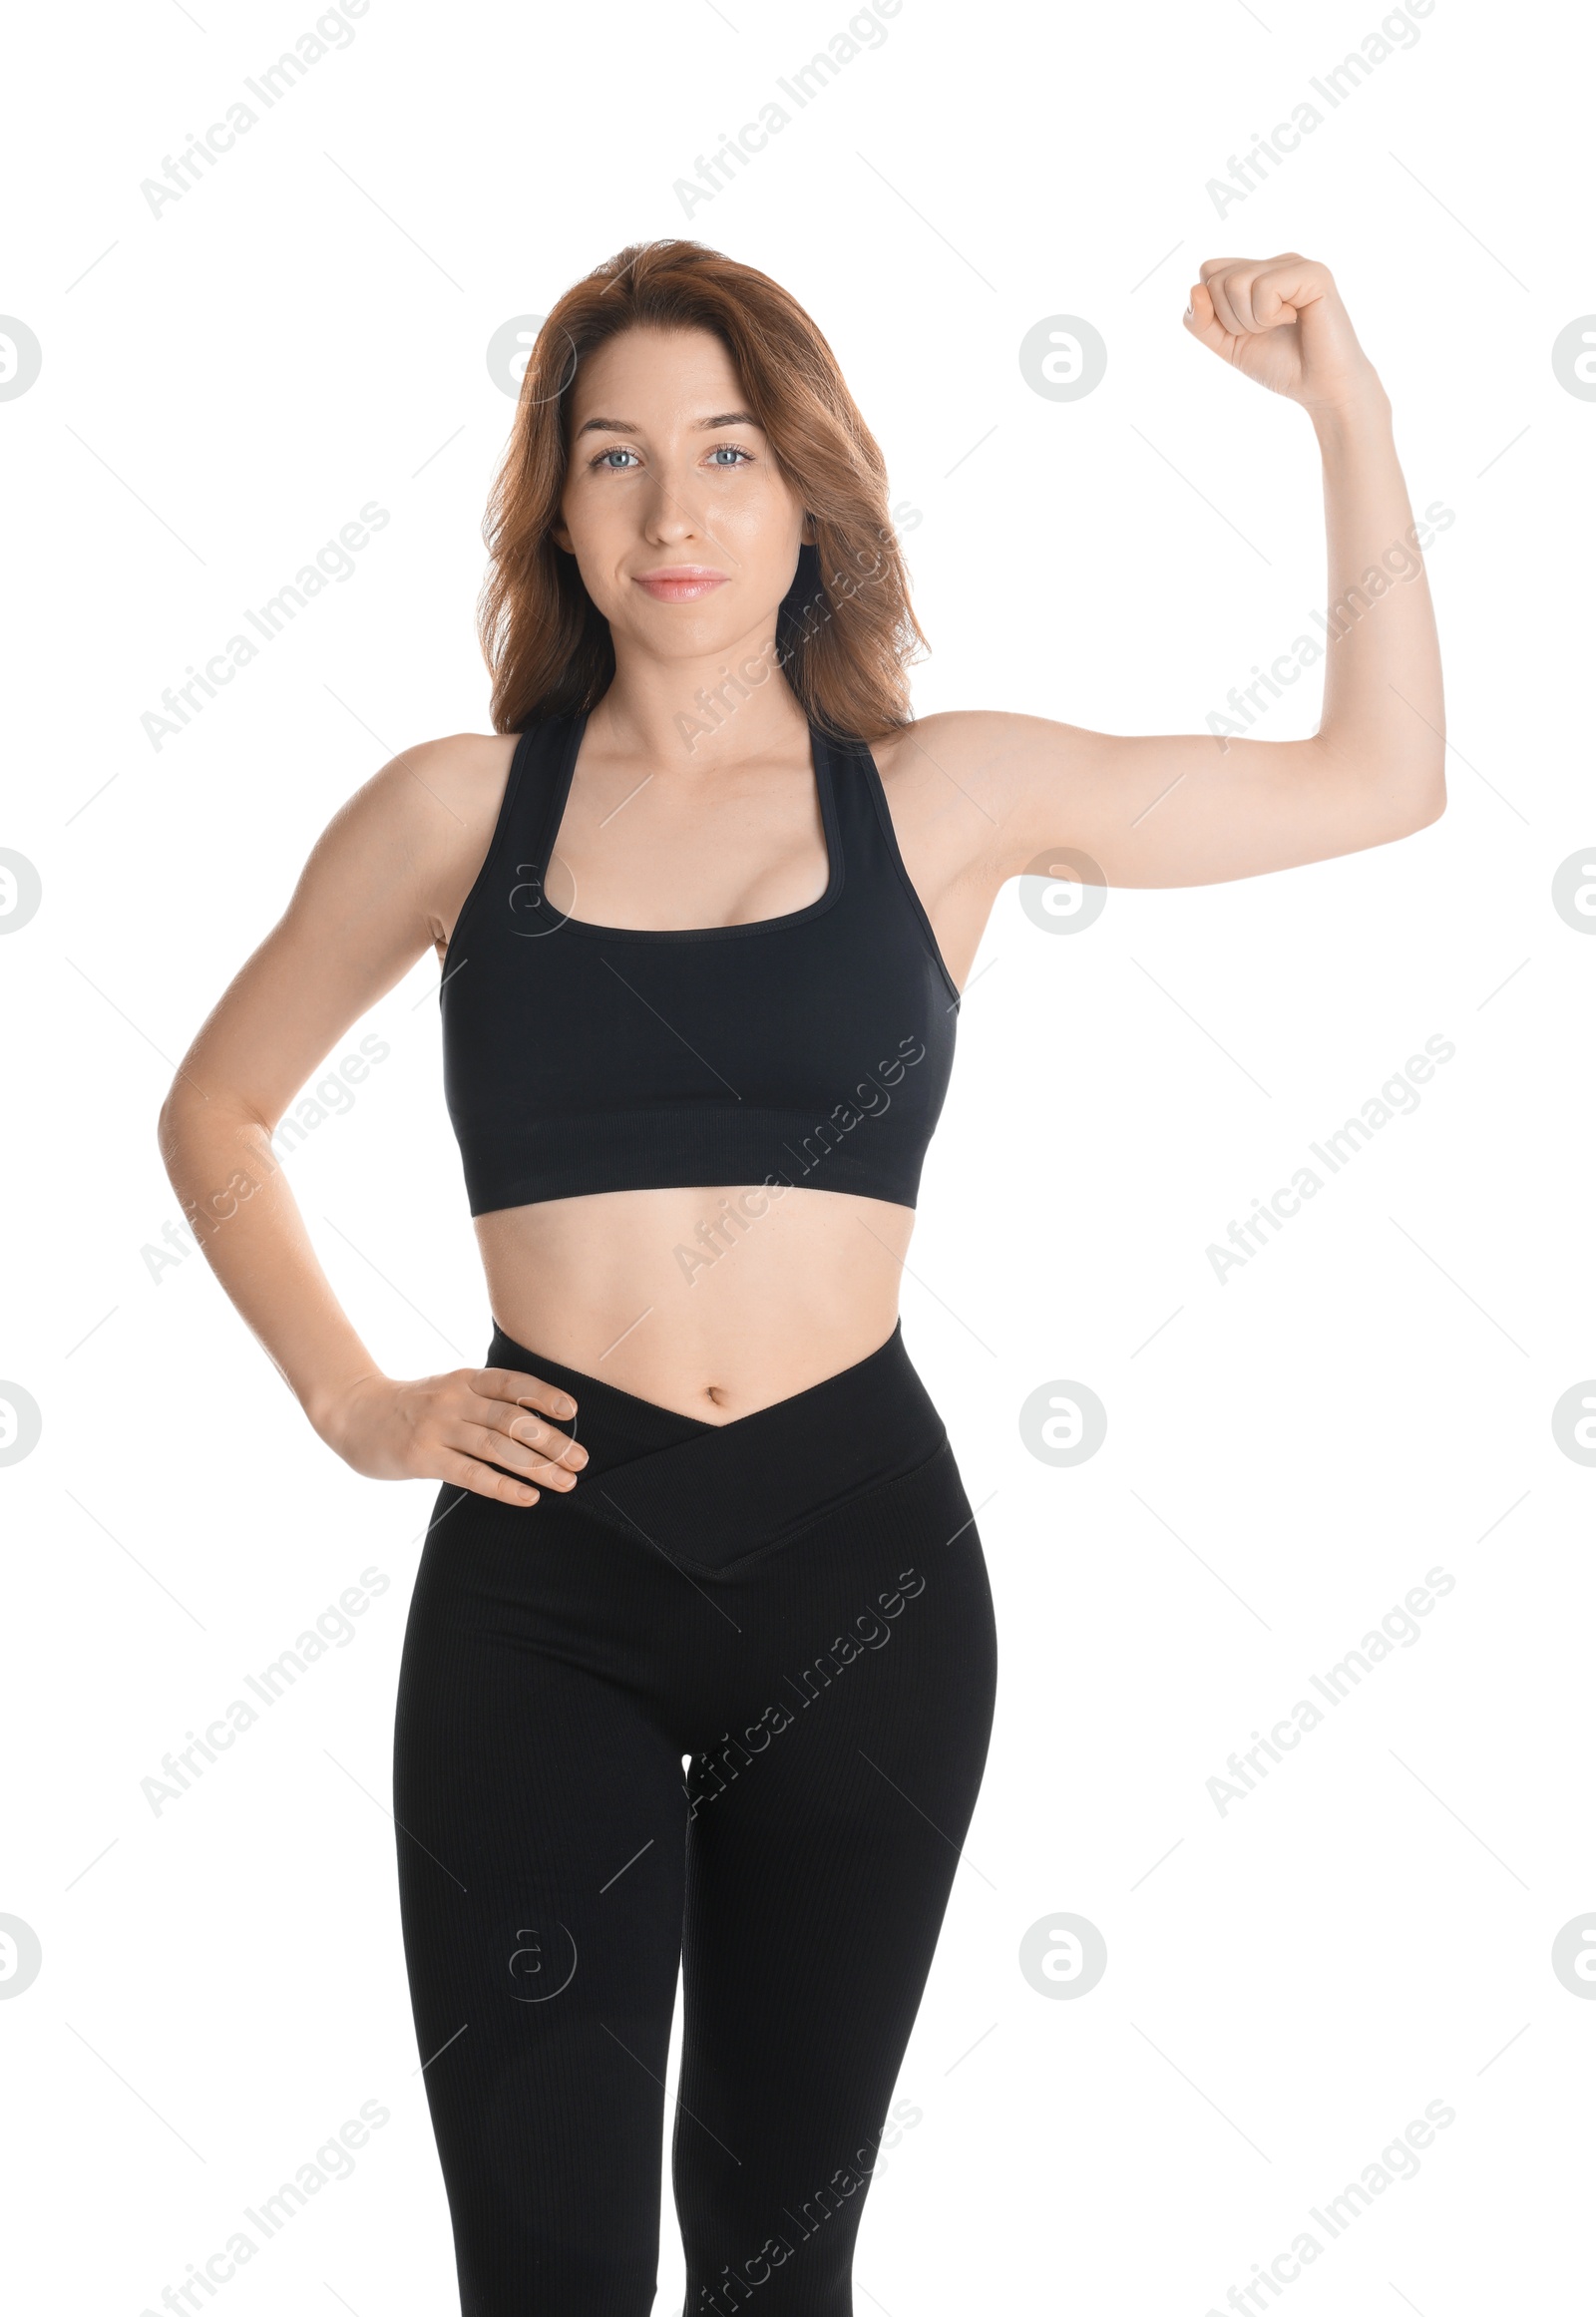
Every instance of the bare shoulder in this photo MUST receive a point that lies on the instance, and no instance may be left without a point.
(433, 808)
(448, 781)
(954, 780)
(975, 744)
(370, 899)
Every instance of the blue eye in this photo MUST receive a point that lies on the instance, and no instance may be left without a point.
(734, 455)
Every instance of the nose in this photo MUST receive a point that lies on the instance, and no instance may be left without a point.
(668, 519)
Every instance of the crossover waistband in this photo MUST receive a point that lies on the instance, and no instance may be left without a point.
(710, 1493)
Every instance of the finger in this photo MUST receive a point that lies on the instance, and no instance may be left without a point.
(497, 1449)
(1283, 287)
(1263, 296)
(1225, 289)
(1202, 321)
(509, 1383)
(483, 1480)
(1215, 272)
(515, 1424)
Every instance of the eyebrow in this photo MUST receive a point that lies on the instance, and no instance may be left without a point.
(630, 426)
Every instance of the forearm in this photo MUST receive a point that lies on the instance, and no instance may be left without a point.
(1383, 705)
(237, 1201)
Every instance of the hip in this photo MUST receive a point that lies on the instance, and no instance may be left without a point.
(715, 1495)
(687, 1547)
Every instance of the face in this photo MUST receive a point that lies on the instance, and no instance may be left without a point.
(684, 532)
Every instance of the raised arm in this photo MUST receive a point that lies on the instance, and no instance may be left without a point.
(381, 884)
(1193, 808)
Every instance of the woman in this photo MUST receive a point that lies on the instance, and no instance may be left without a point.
(703, 903)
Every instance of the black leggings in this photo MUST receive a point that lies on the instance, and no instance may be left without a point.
(797, 1599)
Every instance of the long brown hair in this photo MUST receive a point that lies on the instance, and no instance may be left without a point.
(845, 631)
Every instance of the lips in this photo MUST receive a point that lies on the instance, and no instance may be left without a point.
(680, 582)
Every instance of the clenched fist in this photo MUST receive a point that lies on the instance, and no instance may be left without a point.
(1281, 320)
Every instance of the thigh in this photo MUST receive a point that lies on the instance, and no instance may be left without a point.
(540, 1819)
(823, 1841)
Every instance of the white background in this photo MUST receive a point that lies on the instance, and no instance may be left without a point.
(1288, 1453)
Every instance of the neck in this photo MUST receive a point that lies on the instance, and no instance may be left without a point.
(719, 708)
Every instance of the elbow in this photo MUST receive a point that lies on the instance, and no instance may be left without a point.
(1416, 805)
(1402, 796)
(1406, 790)
(167, 1127)
(1426, 796)
(170, 1123)
(1391, 793)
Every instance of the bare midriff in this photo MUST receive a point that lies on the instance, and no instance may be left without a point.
(713, 1302)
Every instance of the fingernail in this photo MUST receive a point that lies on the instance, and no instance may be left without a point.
(564, 1407)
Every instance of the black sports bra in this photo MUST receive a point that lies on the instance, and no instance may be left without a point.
(812, 1048)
